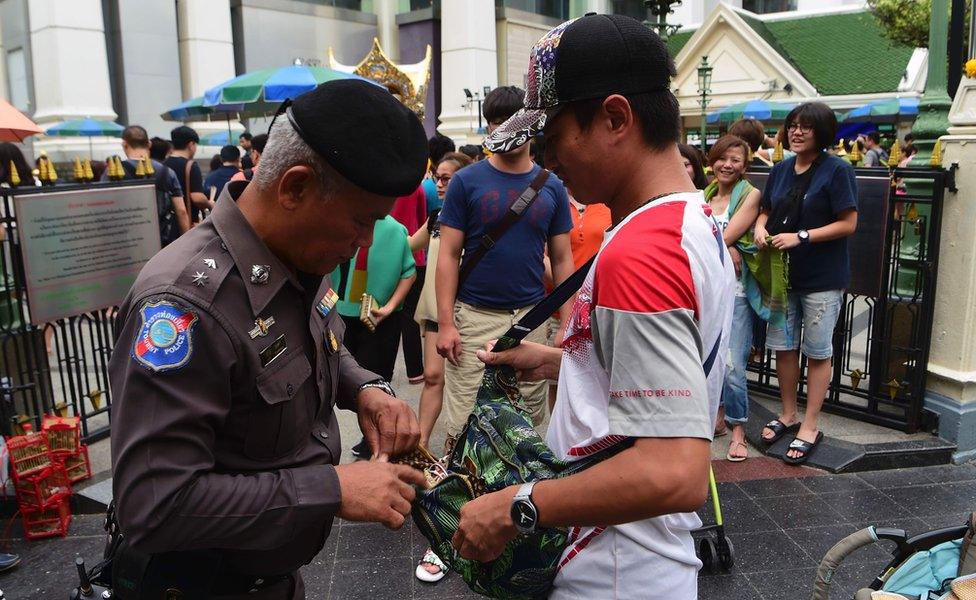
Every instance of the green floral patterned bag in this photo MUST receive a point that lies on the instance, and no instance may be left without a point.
(499, 447)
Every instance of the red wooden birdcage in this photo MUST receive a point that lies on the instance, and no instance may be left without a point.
(29, 453)
(44, 489)
(63, 434)
(77, 465)
(46, 522)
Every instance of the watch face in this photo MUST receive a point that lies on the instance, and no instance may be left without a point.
(523, 515)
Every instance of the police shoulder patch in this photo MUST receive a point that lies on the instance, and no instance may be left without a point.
(165, 340)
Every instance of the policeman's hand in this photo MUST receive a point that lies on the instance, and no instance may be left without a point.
(377, 492)
(533, 362)
(389, 424)
(449, 343)
(486, 526)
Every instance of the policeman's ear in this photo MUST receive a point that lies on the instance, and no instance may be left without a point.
(297, 185)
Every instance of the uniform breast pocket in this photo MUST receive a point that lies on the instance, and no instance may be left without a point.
(279, 418)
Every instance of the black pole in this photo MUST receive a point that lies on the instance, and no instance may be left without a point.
(957, 24)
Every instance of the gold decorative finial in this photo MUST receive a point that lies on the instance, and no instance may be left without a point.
(841, 151)
(778, 152)
(855, 155)
(14, 177)
(52, 173)
(119, 169)
(89, 174)
(42, 168)
(140, 168)
(895, 157)
(78, 171)
(936, 160)
(150, 171)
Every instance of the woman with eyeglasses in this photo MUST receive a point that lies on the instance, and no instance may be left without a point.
(431, 569)
(808, 208)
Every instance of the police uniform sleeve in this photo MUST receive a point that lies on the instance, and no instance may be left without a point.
(172, 377)
(351, 377)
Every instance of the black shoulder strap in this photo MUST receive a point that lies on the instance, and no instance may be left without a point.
(521, 204)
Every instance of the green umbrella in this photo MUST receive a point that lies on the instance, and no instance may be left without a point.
(88, 128)
(763, 110)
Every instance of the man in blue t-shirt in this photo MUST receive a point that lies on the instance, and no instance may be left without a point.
(508, 280)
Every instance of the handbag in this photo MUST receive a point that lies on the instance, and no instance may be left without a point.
(497, 448)
(785, 215)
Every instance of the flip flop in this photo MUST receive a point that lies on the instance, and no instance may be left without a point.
(430, 559)
(731, 457)
(804, 447)
(779, 429)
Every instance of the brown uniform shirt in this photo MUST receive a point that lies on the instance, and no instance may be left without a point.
(223, 432)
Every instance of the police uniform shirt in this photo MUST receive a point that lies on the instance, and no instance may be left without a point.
(225, 373)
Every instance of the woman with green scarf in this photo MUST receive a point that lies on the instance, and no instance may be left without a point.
(735, 206)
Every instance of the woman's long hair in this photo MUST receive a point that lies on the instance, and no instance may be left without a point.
(694, 156)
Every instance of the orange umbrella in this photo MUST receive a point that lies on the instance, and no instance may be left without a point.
(14, 126)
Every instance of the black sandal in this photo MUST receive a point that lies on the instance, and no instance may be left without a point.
(779, 430)
(803, 447)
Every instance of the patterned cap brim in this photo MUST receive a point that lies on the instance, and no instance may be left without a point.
(516, 131)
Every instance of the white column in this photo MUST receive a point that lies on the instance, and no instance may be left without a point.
(70, 71)
(469, 59)
(600, 7)
(386, 27)
(206, 51)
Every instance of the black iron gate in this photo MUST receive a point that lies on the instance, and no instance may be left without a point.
(56, 368)
(882, 338)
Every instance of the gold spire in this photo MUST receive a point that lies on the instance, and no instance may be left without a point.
(855, 154)
(936, 160)
(895, 157)
(778, 152)
(14, 176)
(42, 168)
(89, 174)
(140, 168)
(79, 171)
(52, 173)
(150, 171)
(119, 169)
(841, 151)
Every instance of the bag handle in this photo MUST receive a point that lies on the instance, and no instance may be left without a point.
(521, 204)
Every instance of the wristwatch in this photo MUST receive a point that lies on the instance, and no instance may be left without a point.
(524, 513)
(380, 384)
(804, 236)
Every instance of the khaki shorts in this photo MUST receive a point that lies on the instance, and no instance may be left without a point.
(477, 327)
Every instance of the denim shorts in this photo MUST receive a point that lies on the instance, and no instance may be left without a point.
(818, 313)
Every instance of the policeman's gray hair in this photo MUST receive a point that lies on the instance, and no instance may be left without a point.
(286, 149)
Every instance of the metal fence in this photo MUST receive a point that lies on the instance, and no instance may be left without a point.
(59, 367)
(881, 342)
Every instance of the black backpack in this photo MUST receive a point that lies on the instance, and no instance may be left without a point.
(168, 227)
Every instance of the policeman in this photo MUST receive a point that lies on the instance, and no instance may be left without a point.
(229, 360)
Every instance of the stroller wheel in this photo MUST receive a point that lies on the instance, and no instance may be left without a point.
(726, 553)
(708, 555)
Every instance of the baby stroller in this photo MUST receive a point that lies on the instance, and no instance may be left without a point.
(938, 565)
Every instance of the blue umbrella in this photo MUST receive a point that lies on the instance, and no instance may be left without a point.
(218, 138)
(194, 109)
(889, 110)
(763, 110)
(261, 91)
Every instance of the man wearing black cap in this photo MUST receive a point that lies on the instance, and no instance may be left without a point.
(229, 362)
(643, 355)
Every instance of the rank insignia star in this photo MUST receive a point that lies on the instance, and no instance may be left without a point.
(261, 327)
(210, 263)
(199, 278)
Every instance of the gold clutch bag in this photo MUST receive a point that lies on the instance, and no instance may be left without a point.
(365, 312)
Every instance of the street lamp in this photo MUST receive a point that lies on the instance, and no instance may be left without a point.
(704, 81)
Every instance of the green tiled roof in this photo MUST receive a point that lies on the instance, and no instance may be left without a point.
(677, 41)
(840, 54)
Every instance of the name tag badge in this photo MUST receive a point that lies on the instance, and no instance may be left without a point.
(276, 349)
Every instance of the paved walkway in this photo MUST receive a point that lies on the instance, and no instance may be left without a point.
(780, 528)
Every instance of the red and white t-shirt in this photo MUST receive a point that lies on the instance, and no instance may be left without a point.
(654, 305)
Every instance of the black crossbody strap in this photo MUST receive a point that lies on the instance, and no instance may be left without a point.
(488, 241)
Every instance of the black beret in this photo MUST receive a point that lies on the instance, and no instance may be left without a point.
(365, 134)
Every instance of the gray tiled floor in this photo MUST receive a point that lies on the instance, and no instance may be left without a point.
(780, 530)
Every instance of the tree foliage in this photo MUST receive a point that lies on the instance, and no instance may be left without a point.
(904, 21)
